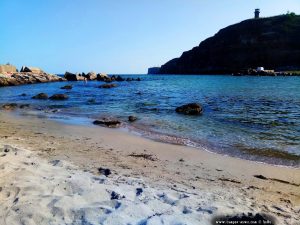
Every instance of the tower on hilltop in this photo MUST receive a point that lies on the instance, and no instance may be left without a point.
(256, 13)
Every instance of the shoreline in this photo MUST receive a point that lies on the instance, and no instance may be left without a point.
(141, 131)
(162, 165)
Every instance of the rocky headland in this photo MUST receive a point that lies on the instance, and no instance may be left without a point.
(96, 76)
(9, 76)
(272, 43)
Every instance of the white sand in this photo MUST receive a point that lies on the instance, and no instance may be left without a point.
(50, 176)
(36, 191)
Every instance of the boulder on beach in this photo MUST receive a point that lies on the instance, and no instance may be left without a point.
(111, 123)
(190, 109)
(40, 96)
(59, 97)
(108, 85)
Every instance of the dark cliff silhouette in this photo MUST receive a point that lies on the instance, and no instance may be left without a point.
(272, 43)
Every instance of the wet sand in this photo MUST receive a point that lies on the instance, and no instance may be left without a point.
(180, 184)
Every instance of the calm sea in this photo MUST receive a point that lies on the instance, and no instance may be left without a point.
(256, 118)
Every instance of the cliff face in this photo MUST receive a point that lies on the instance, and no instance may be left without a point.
(273, 43)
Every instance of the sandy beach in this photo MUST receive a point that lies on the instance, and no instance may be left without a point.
(50, 175)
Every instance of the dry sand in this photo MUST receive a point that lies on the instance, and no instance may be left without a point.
(49, 175)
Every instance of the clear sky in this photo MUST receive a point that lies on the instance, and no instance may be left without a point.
(116, 36)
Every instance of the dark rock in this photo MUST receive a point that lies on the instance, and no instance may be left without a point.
(73, 77)
(41, 96)
(139, 191)
(108, 123)
(68, 87)
(108, 85)
(23, 95)
(138, 79)
(119, 78)
(90, 76)
(102, 77)
(10, 106)
(104, 171)
(132, 118)
(115, 196)
(129, 79)
(261, 177)
(190, 109)
(59, 97)
(23, 106)
(248, 44)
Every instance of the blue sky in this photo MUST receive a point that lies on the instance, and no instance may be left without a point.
(116, 36)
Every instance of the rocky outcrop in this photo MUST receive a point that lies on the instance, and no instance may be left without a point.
(190, 109)
(272, 43)
(20, 78)
(8, 68)
(25, 69)
(90, 76)
(74, 77)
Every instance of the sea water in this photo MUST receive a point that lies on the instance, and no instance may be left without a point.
(256, 118)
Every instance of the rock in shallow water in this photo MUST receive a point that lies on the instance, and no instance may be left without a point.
(132, 118)
(68, 87)
(190, 109)
(108, 85)
(59, 97)
(40, 96)
(9, 106)
(108, 123)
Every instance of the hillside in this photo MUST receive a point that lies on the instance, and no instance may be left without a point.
(271, 42)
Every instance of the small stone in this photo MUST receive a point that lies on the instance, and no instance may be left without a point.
(104, 171)
(132, 118)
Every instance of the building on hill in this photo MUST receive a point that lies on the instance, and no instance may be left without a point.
(256, 13)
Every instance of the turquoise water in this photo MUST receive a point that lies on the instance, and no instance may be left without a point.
(256, 118)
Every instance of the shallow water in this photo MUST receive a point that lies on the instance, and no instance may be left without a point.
(257, 118)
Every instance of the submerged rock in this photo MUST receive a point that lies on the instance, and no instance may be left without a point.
(190, 109)
(40, 96)
(108, 85)
(68, 87)
(59, 97)
(108, 123)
